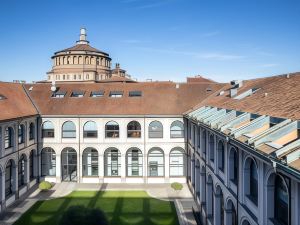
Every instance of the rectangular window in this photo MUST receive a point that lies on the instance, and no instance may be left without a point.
(135, 94)
(97, 94)
(59, 94)
(116, 94)
(77, 94)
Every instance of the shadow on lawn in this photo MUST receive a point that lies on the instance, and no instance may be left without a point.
(119, 209)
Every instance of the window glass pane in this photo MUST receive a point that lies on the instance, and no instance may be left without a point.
(155, 163)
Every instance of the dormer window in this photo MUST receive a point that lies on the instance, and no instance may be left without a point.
(2, 97)
(77, 94)
(135, 94)
(59, 94)
(116, 94)
(97, 94)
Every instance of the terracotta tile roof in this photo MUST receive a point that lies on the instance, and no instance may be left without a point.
(82, 47)
(158, 98)
(199, 79)
(15, 103)
(282, 98)
(117, 79)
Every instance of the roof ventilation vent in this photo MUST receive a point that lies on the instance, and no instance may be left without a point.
(53, 87)
(266, 94)
(235, 85)
(221, 93)
(177, 86)
(288, 76)
(30, 89)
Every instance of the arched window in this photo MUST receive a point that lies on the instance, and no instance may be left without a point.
(134, 129)
(211, 148)
(48, 162)
(90, 130)
(90, 162)
(31, 131)
(177, 130)
(231, 214)
(9, 137)
(210, 197)
(69, 164)
(156, 165)
(251, 180)
(68, 130)
(47, 130)
(112, 163)
(9, 178)
(112, 129)
(155, 129)
(281, 200)
(31, 165)
(177, 159)
(134, 162)
(203, 141)
(21, 134)
(21, 171)
(233, 165)
(219, 206)
(221, 158)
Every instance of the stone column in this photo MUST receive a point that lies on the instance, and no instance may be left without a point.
(123, 167)
(101, 167)
(58, 169)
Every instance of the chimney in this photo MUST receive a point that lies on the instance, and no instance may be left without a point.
(235, 85)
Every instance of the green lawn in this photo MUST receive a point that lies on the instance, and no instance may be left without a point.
(120, 207)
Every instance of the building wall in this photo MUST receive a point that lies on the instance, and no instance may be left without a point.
(203, 172)
(123, 143)
(14, 153)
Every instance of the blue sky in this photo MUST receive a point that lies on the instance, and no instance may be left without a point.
(158, 39)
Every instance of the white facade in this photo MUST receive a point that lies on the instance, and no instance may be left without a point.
(122, 143)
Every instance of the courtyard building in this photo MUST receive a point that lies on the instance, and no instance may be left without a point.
(236, 145)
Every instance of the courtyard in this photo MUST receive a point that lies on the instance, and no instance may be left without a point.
(120, 208)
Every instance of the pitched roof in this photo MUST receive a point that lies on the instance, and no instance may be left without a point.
(276, 96)
(82, 47)
(158, 98)
(15, 103)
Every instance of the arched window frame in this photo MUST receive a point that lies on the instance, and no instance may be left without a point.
(21, 171)
(21, 134)
(31, 165)
(134, 129)
(155, 129)
(177, 129)
(31, 131)
(90, 162)
(156, 163)
(211, 148)
(68, 130)
(281, 201)
(48, 162)
(90, 129)
(9, 137)
(221, 156)
(112, 162)
(177, 162)
(233, 165)
(48, 129)
(134, 162)
(112, 129)
(9, 178)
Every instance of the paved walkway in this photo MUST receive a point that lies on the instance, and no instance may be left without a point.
(183, 199)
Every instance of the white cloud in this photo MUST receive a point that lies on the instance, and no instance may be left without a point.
(269, 65)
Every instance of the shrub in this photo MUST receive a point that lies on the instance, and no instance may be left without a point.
(79, 215)
(176, 186)
(45, 185)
